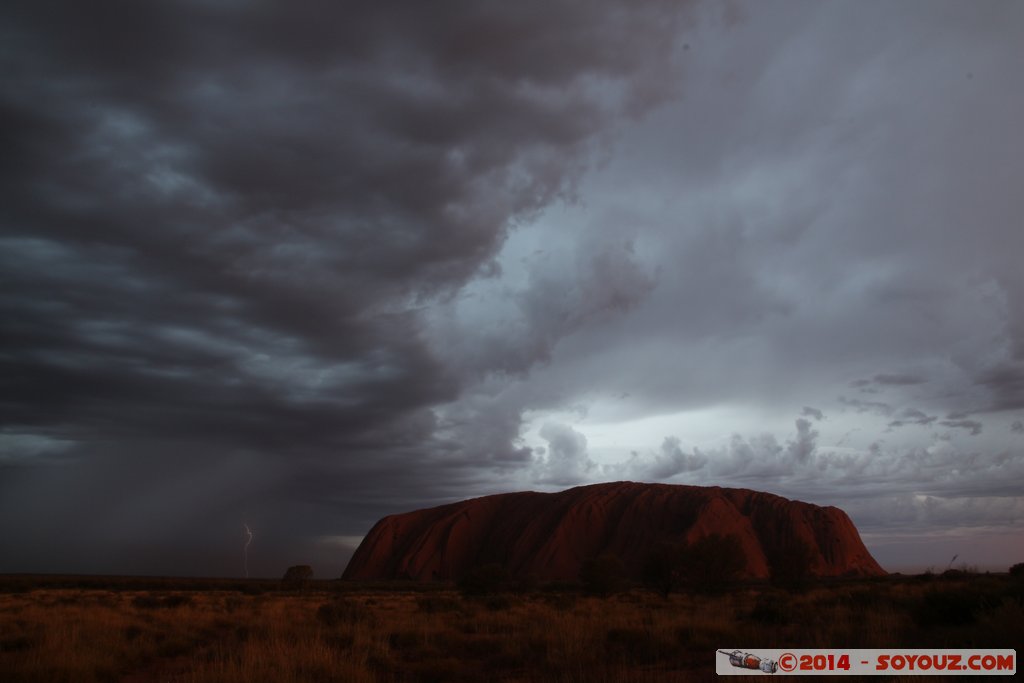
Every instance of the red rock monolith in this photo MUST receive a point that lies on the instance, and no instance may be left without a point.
(550, 535)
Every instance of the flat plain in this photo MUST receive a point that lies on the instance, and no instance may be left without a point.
(132, 630)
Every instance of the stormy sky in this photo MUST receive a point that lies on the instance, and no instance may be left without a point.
(301, 265)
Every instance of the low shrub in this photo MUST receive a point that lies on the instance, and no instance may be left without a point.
(497, 603)
(635, 646)
(297, 576)
(484, 580)
(561, 601)
(405, 640)
(945, 608)
(149, 601)
(603, 575)
(341, 611)
(433, 604)
(16, 644)
(712, 563)
(770, 609)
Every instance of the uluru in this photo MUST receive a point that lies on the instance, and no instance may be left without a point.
(549, 536)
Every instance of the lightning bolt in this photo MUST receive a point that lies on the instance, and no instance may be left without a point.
(245, 550)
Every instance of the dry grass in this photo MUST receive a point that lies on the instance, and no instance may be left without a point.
(201, 636)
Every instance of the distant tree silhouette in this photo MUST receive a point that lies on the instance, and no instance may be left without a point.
(527, 583)
(661, 568)
(485, 579)
(1017, 570)
(708, 565)
(603, 575)
(711, 564)
(298, 575)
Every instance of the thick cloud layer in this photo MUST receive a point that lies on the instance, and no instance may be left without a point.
(222, 223)
(302, 267)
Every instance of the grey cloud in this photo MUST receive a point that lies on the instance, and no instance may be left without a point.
(972, 426)
(887, 380)
(484, 427)
(669, 461)
(928, 491)
(899, 380)
(877, 407)
(1017, 427)
(802, 468)
(521, 329)
(812, 412)
(948, 512)
(567, 461)
(913, 416)
(805, 443)
(758, 459)
(26, 448)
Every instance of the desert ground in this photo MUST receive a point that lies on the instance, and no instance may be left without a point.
(131, 630)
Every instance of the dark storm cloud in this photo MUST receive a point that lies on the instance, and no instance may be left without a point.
(1006, 385)
(305, 266)
(220, 224)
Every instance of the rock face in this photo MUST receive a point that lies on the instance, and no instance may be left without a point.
(551, 535)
